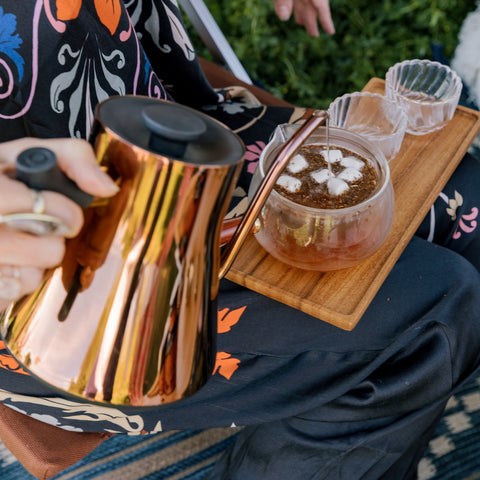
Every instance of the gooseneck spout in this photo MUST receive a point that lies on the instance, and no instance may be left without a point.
(317, 118)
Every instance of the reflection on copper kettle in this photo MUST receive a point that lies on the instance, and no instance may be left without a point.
(129, 318)
(89, 249)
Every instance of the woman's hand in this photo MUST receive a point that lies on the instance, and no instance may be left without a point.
(24, 257)
(307, 13)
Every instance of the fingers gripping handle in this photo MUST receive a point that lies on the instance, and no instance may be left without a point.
(37, 167)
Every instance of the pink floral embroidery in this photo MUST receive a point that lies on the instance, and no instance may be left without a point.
(467, 223)
(253, 154)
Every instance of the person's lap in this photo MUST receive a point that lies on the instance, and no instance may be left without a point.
(418, 338)
(381, 388)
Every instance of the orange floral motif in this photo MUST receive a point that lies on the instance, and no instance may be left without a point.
(68, 9)
(108, 11)
(8, 362)
(227, 318)
(226, 365)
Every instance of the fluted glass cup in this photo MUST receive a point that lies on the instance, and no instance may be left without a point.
(373, 116)
(428, 92)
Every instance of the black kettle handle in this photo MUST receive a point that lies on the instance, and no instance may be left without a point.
(37, 167)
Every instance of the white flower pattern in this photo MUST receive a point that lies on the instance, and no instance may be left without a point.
(453, 204)
(71, 411)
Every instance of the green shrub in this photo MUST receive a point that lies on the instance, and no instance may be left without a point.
(370, 36)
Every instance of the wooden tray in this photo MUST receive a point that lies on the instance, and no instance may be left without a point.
(419, 172)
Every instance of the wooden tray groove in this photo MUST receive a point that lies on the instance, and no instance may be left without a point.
(419, 172)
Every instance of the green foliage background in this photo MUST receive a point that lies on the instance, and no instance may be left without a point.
(371, 35)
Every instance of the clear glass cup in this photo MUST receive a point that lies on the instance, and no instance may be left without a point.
(325, 239)
(428, 92)
(373, 116)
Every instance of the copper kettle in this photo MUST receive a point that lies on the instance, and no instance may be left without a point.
(129, 317)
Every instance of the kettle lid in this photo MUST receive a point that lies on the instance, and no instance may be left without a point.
(170, 129)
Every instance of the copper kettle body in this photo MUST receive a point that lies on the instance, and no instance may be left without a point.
(129, 317)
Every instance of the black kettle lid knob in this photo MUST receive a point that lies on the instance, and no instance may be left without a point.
(172, 127)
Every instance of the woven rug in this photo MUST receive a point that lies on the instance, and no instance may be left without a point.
(453, 452)
(170, 455)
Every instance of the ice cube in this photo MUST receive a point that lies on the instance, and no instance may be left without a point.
(350, 174)
(336, 186)
(332, 156)
(297, 164)
(352, 162)
(289, 183)
(321, 176)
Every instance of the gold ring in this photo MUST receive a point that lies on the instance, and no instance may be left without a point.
(38, 202)
(10, 285)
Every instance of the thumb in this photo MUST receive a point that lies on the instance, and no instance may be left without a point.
(77, 159)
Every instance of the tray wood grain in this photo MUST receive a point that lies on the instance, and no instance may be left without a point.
(419, 172)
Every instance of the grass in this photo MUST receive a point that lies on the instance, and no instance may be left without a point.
(370, 36)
